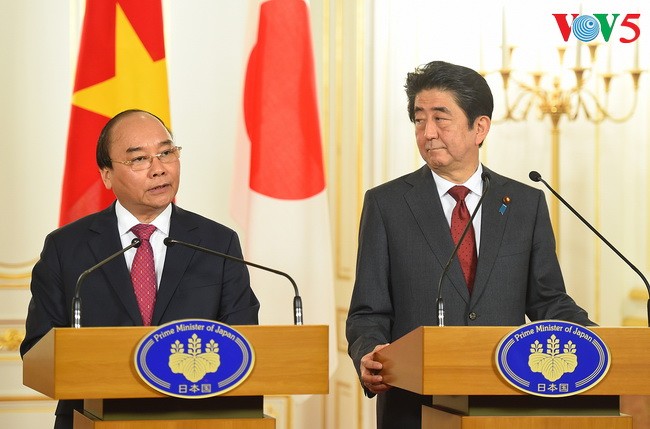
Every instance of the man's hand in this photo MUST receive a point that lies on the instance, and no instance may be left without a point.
(370, 368)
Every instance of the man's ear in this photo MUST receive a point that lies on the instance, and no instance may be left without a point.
(482, 127)
(106, 174)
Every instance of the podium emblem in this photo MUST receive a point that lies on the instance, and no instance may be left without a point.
(552, 358)
(194, 358)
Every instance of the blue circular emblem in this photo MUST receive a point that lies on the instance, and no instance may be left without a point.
(552, 358)
(586, 28)
(194, 358)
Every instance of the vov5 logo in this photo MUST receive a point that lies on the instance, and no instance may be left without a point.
(587, 27)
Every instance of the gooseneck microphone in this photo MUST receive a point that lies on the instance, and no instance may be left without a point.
(536, 177)
(76, 301)
(485, 177)
(297, 301)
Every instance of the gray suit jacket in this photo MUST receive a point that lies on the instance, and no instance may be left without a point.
(404, 243)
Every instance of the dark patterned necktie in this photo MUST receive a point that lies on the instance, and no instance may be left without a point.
(467, 250)
(143, 273)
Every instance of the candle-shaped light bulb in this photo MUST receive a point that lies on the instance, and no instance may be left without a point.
(609, 59)
(504, 40)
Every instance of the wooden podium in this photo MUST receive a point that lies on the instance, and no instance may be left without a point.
(96, 364)
(457, 366)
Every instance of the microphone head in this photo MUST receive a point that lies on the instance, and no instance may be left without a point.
(136, 242)
(486, 176)
(535, 176)
(169, 242)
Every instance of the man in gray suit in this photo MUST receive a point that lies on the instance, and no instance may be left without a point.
(405, 240)
(139, 162)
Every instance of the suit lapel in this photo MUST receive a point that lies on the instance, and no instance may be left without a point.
(177, 259)
(493, 224)
(105, 242)
(425, 205)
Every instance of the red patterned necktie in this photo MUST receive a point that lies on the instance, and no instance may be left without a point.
(467, 251)
(143, 273)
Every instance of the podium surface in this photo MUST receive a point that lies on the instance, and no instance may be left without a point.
(457, 365)
(98, 364)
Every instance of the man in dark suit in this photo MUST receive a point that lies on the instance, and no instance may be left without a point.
(405, 240)
(139, 161)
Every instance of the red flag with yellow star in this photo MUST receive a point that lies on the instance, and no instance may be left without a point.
(121, 65)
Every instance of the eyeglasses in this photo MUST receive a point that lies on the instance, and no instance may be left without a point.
(143, 162)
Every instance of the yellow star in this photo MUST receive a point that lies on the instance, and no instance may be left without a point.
(139, 82)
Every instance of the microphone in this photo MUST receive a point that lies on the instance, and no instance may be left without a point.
(297, 301)
(536, 177)
(76, 301)
(485, 177)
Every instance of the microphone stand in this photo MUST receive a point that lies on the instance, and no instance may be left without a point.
(439, 302)
(536, 177)
(76, 301)
(297, 300)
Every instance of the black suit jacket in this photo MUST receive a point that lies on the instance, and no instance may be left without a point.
(404, 243)
(193, 284)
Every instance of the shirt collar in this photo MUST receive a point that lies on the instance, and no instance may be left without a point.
(126, 220)
(474, 183)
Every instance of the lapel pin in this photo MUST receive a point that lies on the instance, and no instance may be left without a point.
(504, 205)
